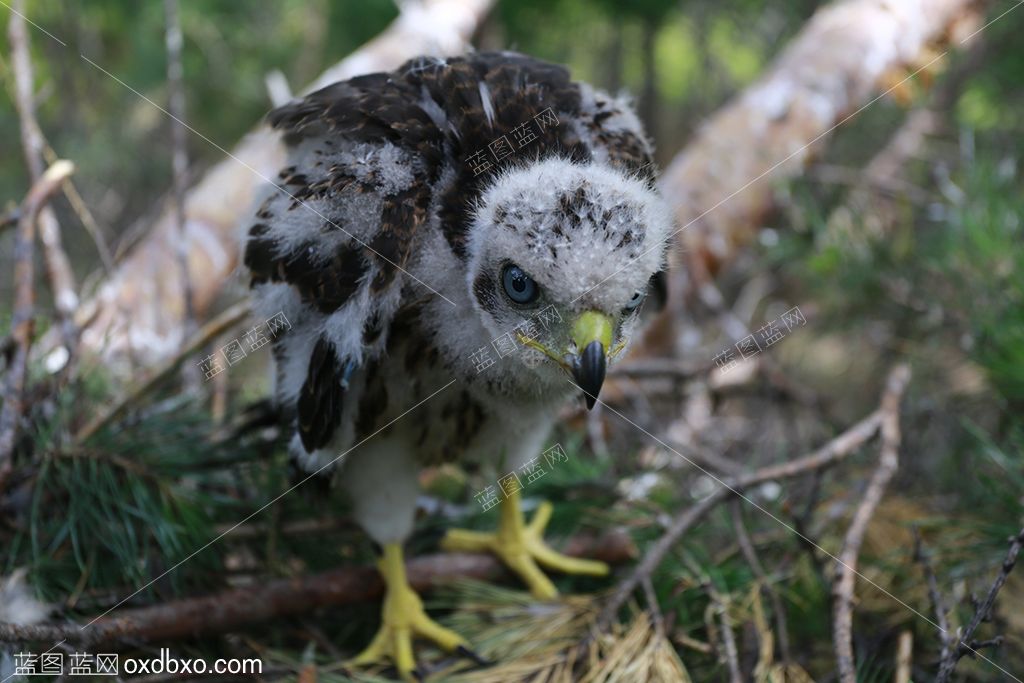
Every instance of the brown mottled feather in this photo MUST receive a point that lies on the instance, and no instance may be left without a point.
(319, 404)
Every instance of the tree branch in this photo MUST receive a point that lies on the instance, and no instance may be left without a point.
(831, 453)
(728, 650)
(22, 320)
(58, 268)
(750, 554)
(232, 609)
(966, 644)
(887, 463)
(924, 559)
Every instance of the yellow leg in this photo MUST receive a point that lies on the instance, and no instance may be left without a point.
(403, 619)
(521, 547)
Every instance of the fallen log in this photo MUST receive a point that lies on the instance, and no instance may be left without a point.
(720, 185)
(241, 607)
(849, 55)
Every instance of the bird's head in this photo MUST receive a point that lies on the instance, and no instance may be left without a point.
(562, 257)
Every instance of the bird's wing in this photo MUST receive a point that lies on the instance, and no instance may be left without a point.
(340, 226)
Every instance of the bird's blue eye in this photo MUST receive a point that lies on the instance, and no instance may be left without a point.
(634, 302)
(519, 286)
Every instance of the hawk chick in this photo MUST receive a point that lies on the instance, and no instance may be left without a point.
(430, 221)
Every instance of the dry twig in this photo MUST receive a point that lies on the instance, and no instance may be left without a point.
(179, 157)
(728, 651)
(750, 555)
(22, 320)
(84, 214)
(924, 559)
(904, 657)
(887, 463)
(966, 645)
(831, 453)
(58, 268)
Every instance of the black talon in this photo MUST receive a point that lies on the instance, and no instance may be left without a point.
(469, 654)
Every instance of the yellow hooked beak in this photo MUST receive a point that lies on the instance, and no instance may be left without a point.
(592, 333)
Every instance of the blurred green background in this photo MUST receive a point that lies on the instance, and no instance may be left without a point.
(944, 288)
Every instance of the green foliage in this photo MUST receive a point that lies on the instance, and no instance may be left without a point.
(982, 255)
(118, 141)
(122, 509)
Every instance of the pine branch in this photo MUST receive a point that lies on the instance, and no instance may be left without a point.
(223, 322)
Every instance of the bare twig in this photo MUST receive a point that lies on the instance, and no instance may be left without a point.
(9, 219)
(966, 645)
(831, 453)
(735, 328)
(269, 600)
(750, 554)
(179, 161)
(211, 330)
(705, 457)
(653, 606)
(84, 214)
(58, 268)
(887, 463)
(22, 320)
(728, 651)
(904, 657)
(924, 559)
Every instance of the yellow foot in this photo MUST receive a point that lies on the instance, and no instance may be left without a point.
(403, 619)
(521, 547)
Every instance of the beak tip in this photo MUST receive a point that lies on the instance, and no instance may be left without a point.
(589, 371)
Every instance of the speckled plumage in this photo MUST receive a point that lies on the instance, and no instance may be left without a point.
(384, 246)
